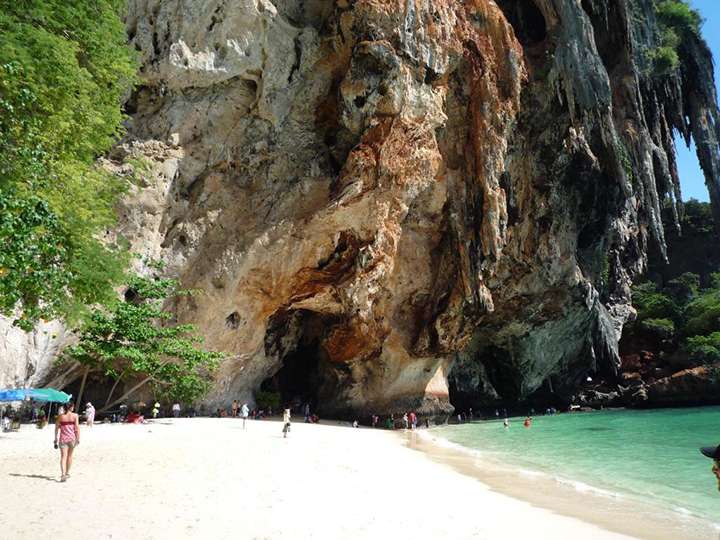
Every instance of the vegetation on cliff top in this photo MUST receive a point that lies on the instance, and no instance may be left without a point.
(677, 20)
(65, 67)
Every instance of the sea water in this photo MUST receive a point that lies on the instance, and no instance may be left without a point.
(650, 455)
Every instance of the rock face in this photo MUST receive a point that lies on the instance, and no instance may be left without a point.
(385, 202)
(378, 197)
(26, 357)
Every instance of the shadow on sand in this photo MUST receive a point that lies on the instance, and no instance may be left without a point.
(40, 476)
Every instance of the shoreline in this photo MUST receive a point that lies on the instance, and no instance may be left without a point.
(209, 478)
(609, 511)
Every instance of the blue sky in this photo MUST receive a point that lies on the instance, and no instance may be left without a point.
(691, 177)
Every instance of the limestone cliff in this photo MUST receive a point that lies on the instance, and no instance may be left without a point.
(386, 201)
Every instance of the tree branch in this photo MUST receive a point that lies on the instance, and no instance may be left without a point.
(127, 394)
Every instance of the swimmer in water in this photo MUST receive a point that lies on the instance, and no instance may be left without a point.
(528, 422)
(506, 424)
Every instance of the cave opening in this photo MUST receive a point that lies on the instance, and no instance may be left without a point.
(299, 379)
(303, 374)
(527, 20)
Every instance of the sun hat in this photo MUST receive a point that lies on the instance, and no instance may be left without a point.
(713, 452)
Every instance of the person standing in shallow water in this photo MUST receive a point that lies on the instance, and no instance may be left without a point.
(67, 437)
(713, 452)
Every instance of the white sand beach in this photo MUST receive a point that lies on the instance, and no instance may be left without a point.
(207, 478)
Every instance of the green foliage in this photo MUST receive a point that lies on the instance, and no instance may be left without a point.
(133, 340)
(684, 287)
(652, 304)
(65, 69)
(684, 310)
(704, 349)
(697, 217)
(141, 170)
(664, 59)
(703, 314)
(677, 22)
(679, 16)
(267, 399)
(661, 327)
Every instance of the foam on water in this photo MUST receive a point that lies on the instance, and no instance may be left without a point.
(648, 456)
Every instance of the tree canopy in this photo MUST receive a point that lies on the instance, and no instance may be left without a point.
(65, 68)
(131, 340)
(684, 311)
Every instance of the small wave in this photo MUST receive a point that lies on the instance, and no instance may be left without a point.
(582, 487)
(444, 443)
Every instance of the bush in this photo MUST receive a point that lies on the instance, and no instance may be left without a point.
(697, 217)
(679, 16)
(652, 304)
(663, 328)
(267, 399)
(684, 288)
(677, 21)
(704, 349)
(703, 314)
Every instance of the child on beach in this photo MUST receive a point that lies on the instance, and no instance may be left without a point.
(286, 422)
(89, 414)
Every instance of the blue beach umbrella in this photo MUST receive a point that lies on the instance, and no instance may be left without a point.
(7, 395)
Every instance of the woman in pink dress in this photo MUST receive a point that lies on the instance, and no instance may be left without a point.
(67, 437)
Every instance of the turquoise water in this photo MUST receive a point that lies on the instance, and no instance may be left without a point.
(647, 455)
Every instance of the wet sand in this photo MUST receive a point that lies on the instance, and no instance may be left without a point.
(612, 513)
(208, 478)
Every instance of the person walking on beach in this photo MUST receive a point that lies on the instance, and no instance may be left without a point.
(244, 412)
(234, 408)
(413, 419)
(713, 452)
(307, 413)
(286, 422)
(156, 410)
(176, 410)
(67, 437)
(405, 420)
(89, 414)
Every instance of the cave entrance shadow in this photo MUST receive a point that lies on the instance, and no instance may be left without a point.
(303, 377)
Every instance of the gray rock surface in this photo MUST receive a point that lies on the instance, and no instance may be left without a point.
(384, 200)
